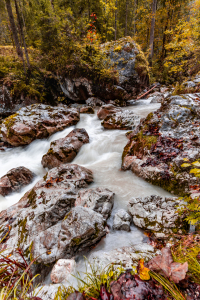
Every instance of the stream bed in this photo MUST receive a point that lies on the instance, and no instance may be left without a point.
(103, 156)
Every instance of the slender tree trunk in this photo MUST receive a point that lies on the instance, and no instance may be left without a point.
(135, 10)
(126, 21)
(115, 20)
(152, 30)
(22, 33)
(14, 29)
(89, 12)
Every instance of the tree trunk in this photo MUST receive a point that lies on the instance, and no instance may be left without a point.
(153, 19)
(126, 21)
(135, 10)
(14, 29)
(115, 20)
(22, 33)
(89, 12)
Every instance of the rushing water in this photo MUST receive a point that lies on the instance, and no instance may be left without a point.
(103, 156)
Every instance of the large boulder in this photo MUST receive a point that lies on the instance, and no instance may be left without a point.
(124, 120)
(164, 149)
(37, 121)
(158, 215)
(65, 150)
(107, 110)
(128, 62)
(46, 225)
(100, 200)
(14, 180)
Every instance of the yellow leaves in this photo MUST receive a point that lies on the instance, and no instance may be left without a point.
(185, 159)
(196, 164)
(185, 165)
(195, 171)
(143, 271)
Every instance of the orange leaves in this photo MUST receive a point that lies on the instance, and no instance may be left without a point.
(143, 271)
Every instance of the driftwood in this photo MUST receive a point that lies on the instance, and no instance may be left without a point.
(147, 92)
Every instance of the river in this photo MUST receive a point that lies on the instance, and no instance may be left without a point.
(103, 156)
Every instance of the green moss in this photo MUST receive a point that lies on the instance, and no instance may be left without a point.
(141, 64)
(139, 144)
(9, 122)
(76, 241)
(32, 199)
(22, 232)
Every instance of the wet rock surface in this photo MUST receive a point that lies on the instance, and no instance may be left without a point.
(37, 121)
(107, 110)
(124, 120)
(14, 180)
(165, 147)
(122, 220)
(87, 110)
(127, 257)
(46, 225)
(65, 150)
(100, 200)
(157, 214)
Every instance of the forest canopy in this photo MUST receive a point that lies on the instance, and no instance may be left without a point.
(55, 35)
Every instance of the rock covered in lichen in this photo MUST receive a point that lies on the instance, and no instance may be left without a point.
(123, 120)
(65, 150)
(158, 215)
(124, 74)
(14, 180)
(130, 62)
(165, 147)
(100, 200)
(45, 224)
(37, 121)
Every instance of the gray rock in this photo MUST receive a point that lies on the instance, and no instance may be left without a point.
(122, 220)
(156, 97)
(46, 225)
(99, 199)
(65, 150)
(62, 270)
(37, 121)
(125, 257)
(123, 55)
(124, 120)
(170, 138)
(157, 214)
(93, 101)
(14, 180)
(80, 229)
